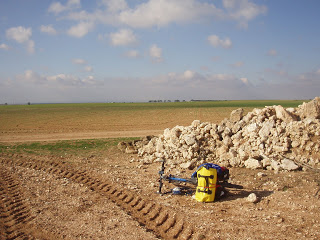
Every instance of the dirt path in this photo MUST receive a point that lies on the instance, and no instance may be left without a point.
(77, 135)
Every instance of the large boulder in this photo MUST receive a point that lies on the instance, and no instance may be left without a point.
(282, 114)
(310, 109)
(236, 115)
(266, 129)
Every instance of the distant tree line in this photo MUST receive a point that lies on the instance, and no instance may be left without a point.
(29, 103)
(160, 101)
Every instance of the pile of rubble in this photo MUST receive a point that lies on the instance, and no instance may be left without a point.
(271, 138)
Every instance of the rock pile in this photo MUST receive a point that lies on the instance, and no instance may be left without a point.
(269, 138)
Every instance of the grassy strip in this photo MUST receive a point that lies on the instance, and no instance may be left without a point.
(74, 147)
(153, 105)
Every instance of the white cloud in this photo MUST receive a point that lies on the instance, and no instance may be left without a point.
(216, 41)
(59, 80)
(221, 77)
(312, 76)
(151, 13)
(4, 46)
(187, 85)
(79, 61)
(302, 77)
(115, 5)
(73, 3)
(88, 69)
(229, 3)
(73, 81)
(81, 29)
(237, 64)
(48, 29)
(155, 53)
(57, 7)
(65, 79)
(133, 54)
(191, 78)
(89, 80)
(123, 37)
(30, 76)
(272, 52)
(21, 35)
(277, 72)
(188, 74)
(244, 80)
(164, 12)
(194, 85)
(243, 11)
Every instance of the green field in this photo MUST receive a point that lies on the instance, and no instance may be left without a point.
(153, 105)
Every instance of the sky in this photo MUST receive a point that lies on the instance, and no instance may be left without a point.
(140, 50)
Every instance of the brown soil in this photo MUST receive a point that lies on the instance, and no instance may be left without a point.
(18, 137)
(44, 125)
(112, 195)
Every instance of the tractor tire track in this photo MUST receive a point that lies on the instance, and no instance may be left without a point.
(15, 215)
(14, 212)
(152, 216)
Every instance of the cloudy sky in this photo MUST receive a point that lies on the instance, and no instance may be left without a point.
(140, 50)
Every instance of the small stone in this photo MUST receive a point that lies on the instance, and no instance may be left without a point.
(189, 139)
(261, 174)
(131, 150)
(186, 165)
(252, 198)
(266, 162)
(275, 165)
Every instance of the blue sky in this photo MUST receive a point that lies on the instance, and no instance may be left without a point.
(140, 50)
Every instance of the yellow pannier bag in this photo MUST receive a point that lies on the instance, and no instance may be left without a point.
(207, 180)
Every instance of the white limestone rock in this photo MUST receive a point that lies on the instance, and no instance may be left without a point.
(253, 163)
(288, 164)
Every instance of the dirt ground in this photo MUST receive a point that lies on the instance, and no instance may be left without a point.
(19, 137)
(37, 124)
(111, 195)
